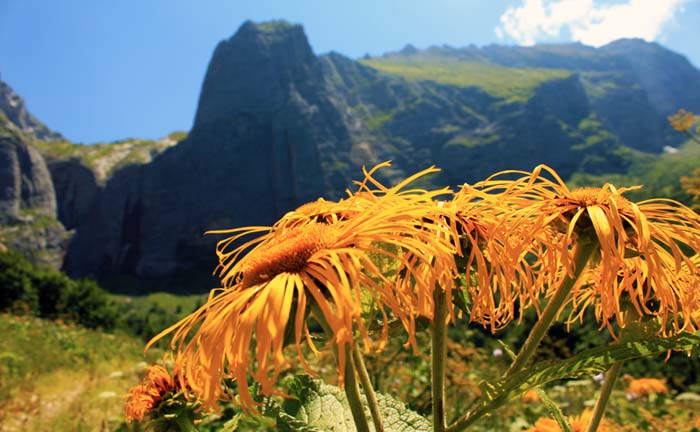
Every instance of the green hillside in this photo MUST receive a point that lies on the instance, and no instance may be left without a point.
(659, 175)
(503, 82)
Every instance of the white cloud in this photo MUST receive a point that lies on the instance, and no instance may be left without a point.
(587, 21)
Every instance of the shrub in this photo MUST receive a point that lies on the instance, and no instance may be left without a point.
(52, 295)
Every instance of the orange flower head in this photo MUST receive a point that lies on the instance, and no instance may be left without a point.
(641, 256)
(637, 388)
(578, 424)
(499, 249)
(530, 397)
(683, 120)
(329, 266)
(146, 396)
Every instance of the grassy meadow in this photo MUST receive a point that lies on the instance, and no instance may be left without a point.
(62, 377)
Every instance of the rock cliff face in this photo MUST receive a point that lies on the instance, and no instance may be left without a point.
(465, 130)
(76, 191)
(27, 200)
(266, 138)
(25, 182)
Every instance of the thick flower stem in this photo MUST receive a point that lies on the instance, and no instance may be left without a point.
(629, 325)
(439, 357)
(184, 422)
(368, 389)
(351, 387)
(584, 251)
(610, 379)
(352, 392)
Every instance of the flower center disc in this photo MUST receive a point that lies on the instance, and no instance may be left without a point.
(288, 252)
(590, 196)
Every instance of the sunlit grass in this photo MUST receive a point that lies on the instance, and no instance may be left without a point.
(503, 82)
(167, 301)
(63, 378)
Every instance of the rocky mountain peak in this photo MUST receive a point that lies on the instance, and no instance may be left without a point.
(12, 105)
(267, 137)
(662, 73)
(259, 68)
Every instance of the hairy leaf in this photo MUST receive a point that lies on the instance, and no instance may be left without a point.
(323, 407)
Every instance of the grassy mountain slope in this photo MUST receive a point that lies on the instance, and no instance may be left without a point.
(503, 82)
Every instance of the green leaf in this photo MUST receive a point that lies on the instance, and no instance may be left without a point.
(584, 364)
(552, 407)
(323, 407)
(398, 418)
(554, 411)
(232, 425)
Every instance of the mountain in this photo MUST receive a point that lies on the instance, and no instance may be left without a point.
(28, 214)
(277, 126)
(15, 112)
(266, 138)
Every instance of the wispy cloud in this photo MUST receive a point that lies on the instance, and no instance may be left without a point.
(587, 21)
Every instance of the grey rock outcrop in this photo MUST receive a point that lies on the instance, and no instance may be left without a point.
(25, 182)
(16, 112)
(76, 191)
(27, 201)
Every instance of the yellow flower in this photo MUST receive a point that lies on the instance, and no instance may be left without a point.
(324, 254)
(637, 388)
(578, 424)
(507, 268)
(497, 275)
(682, 121)
(641, 249)
(530, 396)
(146, 396)
(641, 257)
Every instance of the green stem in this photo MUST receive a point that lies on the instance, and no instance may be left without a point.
(185, 422)
(610, 379)
(438, 329)
(352, 392)
(368, 389)
(352, 389)
(584, 251)
(631, 324)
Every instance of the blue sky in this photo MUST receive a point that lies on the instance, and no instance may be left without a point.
(98, 70)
